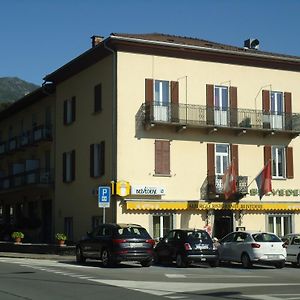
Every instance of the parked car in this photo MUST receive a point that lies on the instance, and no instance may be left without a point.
(252, 247)
(113, 243)
(292, 242)
(186, 246)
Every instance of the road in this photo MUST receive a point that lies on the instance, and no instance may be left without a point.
(47, 279)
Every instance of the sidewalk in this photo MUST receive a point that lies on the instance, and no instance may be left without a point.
(38, 256)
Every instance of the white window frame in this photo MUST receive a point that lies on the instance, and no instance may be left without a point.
(161, 224)
(275, 162)
(221, 111)
(222, 156)
(283, 230)
(277, 119)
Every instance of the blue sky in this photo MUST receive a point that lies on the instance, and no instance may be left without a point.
(39, 36)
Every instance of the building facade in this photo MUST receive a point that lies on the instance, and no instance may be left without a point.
(164, 117)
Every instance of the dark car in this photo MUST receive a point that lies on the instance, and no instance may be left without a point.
(113, 243)
(186, 246)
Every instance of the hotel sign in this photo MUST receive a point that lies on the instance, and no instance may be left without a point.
(147, 190)
(278, 192)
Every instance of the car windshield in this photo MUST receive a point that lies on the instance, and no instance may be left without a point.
(198, 236)
(266, 237)
(133, 232)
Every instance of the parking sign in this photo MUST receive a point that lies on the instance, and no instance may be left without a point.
(103, 196)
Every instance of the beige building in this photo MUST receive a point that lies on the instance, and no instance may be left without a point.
(164, 117)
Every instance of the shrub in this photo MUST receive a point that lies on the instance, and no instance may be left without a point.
(60, 236)
(17, 234)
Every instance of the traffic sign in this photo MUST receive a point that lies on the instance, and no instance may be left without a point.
(103, 196)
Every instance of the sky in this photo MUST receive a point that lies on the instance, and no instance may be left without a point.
(39, 36)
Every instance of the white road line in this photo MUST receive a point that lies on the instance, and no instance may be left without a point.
(212, 276)
(175, 275)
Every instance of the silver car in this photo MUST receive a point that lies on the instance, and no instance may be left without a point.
(292, 242)
(249, 247)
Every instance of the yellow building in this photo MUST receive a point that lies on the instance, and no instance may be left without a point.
(164, 117)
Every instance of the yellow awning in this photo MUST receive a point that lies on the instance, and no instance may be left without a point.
(199, 205)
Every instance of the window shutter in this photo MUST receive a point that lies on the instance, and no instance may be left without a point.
(288, 110)
(289, 163)
(235, 157)
(73, 108)
(92, 160)
(73, 165)
(98, 98)
(267, 154)
(149, 98)
(266, 109)
(175, 101)
(102, 158)
(64, 166)
(233, 106)
(211, 168)
(210, 104)
(65, 111)
(162, 157)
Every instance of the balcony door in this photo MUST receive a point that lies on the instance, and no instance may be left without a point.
(161, 100)
(276, 110)
(221, 105)
(221, 164)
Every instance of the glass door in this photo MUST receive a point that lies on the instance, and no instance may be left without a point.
(276, 110)
(221, 163)
(221, 105)
(161, 100)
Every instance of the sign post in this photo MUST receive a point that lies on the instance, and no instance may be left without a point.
(103, 198)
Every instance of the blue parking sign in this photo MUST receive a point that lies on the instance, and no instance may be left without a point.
(103, 196)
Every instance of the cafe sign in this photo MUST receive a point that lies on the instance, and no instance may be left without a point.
(147, 190)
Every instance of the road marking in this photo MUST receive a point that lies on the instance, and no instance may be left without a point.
(213, 276)
(274, 296)
(175, 276)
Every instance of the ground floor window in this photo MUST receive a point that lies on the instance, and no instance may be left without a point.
(280, 224)
(161, 225)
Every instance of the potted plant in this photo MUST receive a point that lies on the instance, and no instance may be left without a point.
(17, 236)
(60, 237)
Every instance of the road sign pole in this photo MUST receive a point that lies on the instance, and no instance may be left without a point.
(103, 215)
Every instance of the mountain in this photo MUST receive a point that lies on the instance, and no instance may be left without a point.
(14, 88)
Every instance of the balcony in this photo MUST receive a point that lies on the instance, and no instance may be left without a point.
(212, 188)
(213, 119)
(27, 178)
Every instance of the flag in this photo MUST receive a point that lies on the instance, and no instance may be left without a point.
(263, 180)
(229, 181)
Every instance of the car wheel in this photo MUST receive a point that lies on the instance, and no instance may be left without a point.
(180, 261)
(245, 259)
(79, 256)
(105, 257)
(280, 265)
(298, 261)
(146, 263)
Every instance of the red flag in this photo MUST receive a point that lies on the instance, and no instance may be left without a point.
(263, 180)
(229, 181)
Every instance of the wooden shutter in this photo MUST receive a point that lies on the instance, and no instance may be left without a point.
(233, 106)
(149, 98)
(174, 101)
(92, 146)
(289, 163)
(267, 154)
(266, 109)
(73, 108)
(102, 158)
(235, 157)
(73, 165)
(65, 111)
(288, 110)
(210, 104)
(162, 157)
(64, 167)
(98, 98)
(211, 187)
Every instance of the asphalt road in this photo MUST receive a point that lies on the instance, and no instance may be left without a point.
(23, 278)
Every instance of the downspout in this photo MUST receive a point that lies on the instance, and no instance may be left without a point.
(114, 126)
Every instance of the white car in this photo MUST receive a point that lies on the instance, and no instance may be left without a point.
(292, 242)
(249, 247)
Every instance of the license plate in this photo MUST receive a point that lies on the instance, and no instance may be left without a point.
(201, 246)
(273, 256)
(134, 245)
(203, 259)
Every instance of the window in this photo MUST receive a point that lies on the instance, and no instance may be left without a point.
(69, 166)
(221, 105)
(280, 224)
(69, 110)
(97, 159)
(68, 228)
(221, 158)
(162, 157)
(161, 225)
(276, 110)
(278, 162)
(98, 98)
(161, 109)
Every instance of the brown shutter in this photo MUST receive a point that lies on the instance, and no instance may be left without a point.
(102, 158)
(174, 101)
(92, 160)
(233, 106)
(162, 157)
(267, 154)
(235, 157)
(288, 110)
(211, 168)
(210, 104)
(73, 108)
(65, 111)
(73, 165)
(98, 98)
(289, 163)
(266, 108)
(149, 98)
(64, 166)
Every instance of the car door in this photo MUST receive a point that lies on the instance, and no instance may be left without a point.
(293, 249)
(89, 245)
(164, 247)
(238, 246)
(225, 247)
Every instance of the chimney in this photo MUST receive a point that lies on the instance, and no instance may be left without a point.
(96, 39)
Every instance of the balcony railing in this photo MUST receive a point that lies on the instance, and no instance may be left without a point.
(212, 188)
(204, 116)
(37, 176)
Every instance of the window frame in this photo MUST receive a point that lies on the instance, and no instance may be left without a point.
(275, 162)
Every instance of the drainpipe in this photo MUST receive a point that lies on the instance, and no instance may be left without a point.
(114, 125)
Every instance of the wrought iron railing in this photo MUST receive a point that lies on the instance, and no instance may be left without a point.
(37, 176)
(201, 115)
(213, 188)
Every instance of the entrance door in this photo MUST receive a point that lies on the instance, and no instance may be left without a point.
(223, 223)
(161, 100)
(276, 110)
(221, 105)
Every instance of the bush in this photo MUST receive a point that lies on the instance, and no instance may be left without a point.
(60, 236)
(17, 234)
